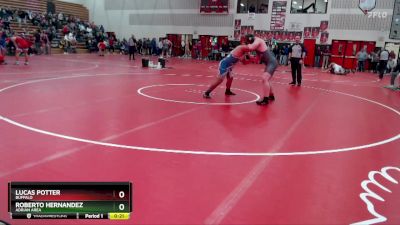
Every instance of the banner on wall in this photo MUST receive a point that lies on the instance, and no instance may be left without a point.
(246, 30)
(395, 26)
(294, 26)
(315, 32)
(307, 32)
(324, 26)
(283, 36)
(262, 34)
(251, 16)
(311, 32)
(236, 35)
(324, 38)
(300, 34)
(291, 36)
(278, 35)
(278, 15)
(238, 23)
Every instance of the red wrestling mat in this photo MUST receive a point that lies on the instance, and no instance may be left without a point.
(307, 158)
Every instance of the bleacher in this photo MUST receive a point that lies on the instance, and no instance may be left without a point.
(40, 6)
(33, 5)
(72, 9)
(27, 28)
(77, 10)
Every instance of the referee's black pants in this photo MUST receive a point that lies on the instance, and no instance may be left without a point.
(382, 68)
(296, 70)
(131, 52)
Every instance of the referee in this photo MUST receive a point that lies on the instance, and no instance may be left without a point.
(296, 56)
(383, 60)
(132, 47)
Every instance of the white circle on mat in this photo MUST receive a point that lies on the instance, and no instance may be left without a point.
(141, 92)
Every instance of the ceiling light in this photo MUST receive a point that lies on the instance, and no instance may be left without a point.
(241, 4)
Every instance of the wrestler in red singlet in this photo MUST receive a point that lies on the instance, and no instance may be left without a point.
(21, 46)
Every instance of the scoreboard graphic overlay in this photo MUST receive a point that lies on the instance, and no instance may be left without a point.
(70, 200)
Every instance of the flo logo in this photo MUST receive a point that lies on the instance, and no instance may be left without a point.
(379, 15)
(368, 195)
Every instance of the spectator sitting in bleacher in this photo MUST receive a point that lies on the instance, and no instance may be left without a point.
(21, 17)
(73, 41)
(51, 23)
(60, 16)
(81, 27)
(6, 23)
(9, 12)
(65, 30)
(68, 39)
(2, 13)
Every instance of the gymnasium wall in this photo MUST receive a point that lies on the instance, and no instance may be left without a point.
(346, 21)
(155, 18)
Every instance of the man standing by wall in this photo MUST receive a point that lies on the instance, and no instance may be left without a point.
(325, 59)
(362, 56)
(374, 61)
(296, 56)
(132, 46)
(318, 54)
(383, 60)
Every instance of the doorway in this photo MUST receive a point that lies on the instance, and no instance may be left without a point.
(344, 52)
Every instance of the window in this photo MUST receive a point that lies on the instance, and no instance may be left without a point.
(252, 6)
(309, 6)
